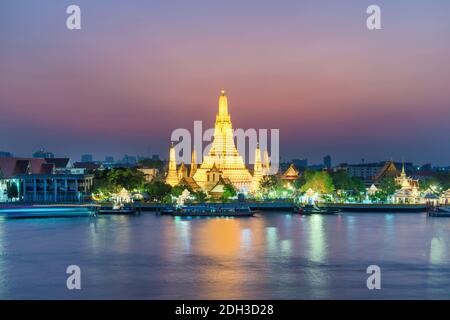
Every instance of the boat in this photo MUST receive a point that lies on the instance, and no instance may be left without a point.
(312, 209)
(439, 212)
(205, 211)
(377, 207)
(47, 211)
(167, 211)
(121, 211)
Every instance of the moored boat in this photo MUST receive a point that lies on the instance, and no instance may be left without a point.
(376, 207)
(311, 209)
(47, 211)
(121, 211)
(439, 212)
(205, 211)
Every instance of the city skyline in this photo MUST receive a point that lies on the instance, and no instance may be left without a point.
(136, 72)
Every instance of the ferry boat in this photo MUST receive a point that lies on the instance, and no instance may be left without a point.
(47, 211)
(209, 211)
(312, 209)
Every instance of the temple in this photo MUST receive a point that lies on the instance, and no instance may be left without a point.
(223, 164)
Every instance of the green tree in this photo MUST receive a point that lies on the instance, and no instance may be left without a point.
(177, 191)
(128, 178)
(158, 190)
(228, 192)
(12, 191)
(200, 196)
(270, 184)
(342, 180)
(319, 181)
(386, 188)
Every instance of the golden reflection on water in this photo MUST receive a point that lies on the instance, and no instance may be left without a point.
(223, 243)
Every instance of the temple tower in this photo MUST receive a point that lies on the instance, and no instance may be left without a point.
(257, 170)
(193, 163)
(223, 153)
(266, 164)
(172, 176)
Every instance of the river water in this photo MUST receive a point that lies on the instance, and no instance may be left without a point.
(269, 256)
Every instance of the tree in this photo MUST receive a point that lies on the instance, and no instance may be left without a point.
(177, 190)
(342, 180)
(319, 181)
(12, 191)
(158, 190)
(200, 196)
(228, 192)
(128, 178)
(270, 185)
(151, 163)
(387, 188)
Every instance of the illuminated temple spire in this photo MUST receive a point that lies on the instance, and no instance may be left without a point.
(223, 104)
(223, 153)
(257, 169)
(172, 176)
(266, 163)
(193, 163)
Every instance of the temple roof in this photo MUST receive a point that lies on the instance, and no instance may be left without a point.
(388, 170)
(291, 173)
(220, 185)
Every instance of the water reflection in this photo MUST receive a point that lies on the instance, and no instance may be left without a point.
(438, 251)
(317, 239)
(269, 256)
(3, 253)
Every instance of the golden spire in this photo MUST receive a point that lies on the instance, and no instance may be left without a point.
(257, 170)
(172, 175)
(193, 163)
(223, 104)
(266, 162)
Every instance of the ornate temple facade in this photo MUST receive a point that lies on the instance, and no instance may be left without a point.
(409, 189)
(223, 164)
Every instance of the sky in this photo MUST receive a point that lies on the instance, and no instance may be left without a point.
(137, 70)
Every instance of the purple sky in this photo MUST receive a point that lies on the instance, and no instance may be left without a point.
(139, 69)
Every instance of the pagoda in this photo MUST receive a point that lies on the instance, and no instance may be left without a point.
(222, 165)
(223, 159)
(172, 175)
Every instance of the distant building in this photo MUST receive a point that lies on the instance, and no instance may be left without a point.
(374, 171)
(155, 157)
(43, 154)
(42, 180)
(4, 154)
(109, 159)
(129, 160)
(87, 167)
(86, 158)
(300, 163)
(149, 173)
(327, 162)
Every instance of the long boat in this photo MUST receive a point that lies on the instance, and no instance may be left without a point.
(375, 207)
(205, 211)
(47, 211)
(310, 209)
